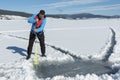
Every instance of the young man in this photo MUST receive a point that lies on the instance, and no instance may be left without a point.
(38, 23)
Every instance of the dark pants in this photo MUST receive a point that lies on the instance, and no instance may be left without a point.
(32, 38)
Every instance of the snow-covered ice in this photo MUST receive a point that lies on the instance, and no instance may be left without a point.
(86, 39)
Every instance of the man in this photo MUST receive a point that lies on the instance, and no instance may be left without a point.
(38, 23)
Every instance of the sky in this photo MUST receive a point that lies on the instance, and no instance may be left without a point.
(103, 7)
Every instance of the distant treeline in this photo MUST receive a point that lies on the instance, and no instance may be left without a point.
(64, 16)
(16, 13)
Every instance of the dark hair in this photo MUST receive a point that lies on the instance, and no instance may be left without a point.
(42, 12)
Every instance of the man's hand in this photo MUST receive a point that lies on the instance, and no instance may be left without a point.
(37, 20)
(35, 30)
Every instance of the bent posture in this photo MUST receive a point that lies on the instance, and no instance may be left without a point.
(38, 23)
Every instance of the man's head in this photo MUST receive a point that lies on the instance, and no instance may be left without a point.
(42, 13)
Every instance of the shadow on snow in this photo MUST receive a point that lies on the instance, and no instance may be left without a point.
(15, 49)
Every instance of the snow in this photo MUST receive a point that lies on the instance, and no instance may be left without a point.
(87, 39)
(115, 57)
(11, 17)
(72, 38)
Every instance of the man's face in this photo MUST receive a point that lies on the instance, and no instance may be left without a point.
(41, 15)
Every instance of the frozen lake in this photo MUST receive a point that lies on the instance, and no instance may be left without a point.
(73, 47)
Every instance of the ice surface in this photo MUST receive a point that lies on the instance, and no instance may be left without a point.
(88, 38)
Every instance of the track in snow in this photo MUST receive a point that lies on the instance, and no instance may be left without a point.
(78, 67)
(110, 49)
